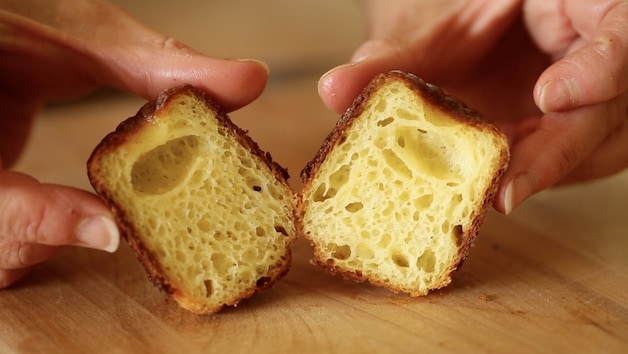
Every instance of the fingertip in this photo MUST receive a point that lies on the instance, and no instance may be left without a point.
(332, 89)
(515, 191)
(53, 215)
(558, 95)
(340, 86)
(591, 73)
(232, 83)
(256, 64)
(98, 232)
(250, 78)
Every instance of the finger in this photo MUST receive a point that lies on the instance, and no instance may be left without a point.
(145, 62)
(439, 48)
(338, 87)
(594, 72)
(560, 143)
(19, 255)
(127, 56)
(609, 158)
(36, 213)
(231, 83)
(9, 277)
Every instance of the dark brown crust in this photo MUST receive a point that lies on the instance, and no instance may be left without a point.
(435, 97)
(129, 127)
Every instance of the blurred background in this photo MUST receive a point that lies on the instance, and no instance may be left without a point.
(293, 37)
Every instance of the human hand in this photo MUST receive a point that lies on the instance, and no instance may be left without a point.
(61, 49)
(502, 59)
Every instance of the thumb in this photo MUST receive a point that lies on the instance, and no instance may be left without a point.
(79, 45)
(440, 42)
(231, 83)
(136, 59)
(594, 67)
(556, 146)
(45, 214)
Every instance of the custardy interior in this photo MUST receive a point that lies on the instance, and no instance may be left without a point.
(216, 218)
(393, 198)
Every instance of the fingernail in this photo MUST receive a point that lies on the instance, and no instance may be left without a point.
(558, 95)
(339, 67)
(258, 62)
(324, 84)
(518, 189)
(359, 57)
(98, 232)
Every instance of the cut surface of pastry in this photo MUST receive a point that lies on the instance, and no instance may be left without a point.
(209, 215)
(398, 191)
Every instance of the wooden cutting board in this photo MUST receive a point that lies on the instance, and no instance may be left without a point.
(551, 277)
